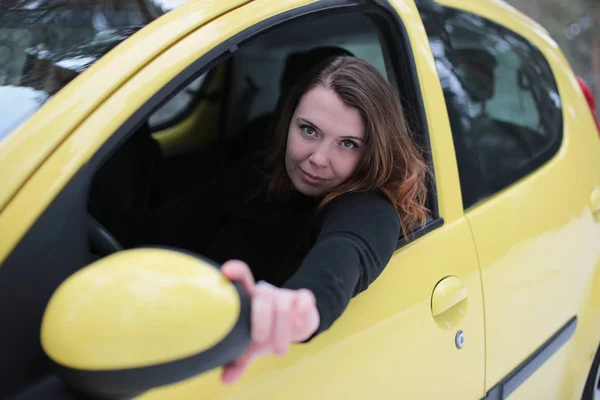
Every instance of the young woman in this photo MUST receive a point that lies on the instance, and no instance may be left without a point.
(345, 179)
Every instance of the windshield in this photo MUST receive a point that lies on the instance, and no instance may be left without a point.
(44, 44)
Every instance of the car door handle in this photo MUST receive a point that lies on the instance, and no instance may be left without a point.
(448, 293)
(595, 203)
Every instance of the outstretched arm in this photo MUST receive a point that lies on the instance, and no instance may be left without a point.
(357, 238)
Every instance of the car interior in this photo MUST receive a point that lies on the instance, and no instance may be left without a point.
(219, 120)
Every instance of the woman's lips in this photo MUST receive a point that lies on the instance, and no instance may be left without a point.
(311, 179)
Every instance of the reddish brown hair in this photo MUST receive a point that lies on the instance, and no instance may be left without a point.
(391, 161)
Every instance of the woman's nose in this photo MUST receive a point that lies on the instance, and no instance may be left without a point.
(319, 157)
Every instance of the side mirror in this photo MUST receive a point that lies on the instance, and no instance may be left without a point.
(143, 318)
(476, 71)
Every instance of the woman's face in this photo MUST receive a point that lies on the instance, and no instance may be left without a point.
(325, 143)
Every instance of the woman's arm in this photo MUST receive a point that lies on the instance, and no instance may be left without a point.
(356, 241)
(279, 317)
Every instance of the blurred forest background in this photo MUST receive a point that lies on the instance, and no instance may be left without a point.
(575, 26)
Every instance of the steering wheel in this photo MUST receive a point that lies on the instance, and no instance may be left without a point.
(102, 242)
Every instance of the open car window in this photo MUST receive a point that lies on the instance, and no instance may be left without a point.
(256, 74)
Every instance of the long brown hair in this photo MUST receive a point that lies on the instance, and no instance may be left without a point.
(391, 161)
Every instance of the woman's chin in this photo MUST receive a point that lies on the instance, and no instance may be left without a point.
(309, 190)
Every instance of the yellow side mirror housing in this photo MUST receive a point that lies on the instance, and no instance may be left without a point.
(143, 318)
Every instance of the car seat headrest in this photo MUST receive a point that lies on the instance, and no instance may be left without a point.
(298, 63)
(475, 70)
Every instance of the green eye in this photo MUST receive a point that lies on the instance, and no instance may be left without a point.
(309, 130)
(349, 144)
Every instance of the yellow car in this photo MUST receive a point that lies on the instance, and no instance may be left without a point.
(112, 110)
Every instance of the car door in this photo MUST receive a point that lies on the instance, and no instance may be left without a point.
(388, 343)
(527, 169)
(416, 326)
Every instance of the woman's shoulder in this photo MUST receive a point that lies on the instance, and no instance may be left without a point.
(367, 219)
(368, 202)
(360, 211)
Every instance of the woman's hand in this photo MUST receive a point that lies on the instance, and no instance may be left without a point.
(278, 318)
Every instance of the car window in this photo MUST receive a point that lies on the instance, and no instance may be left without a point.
(502, 100)
(44, 44)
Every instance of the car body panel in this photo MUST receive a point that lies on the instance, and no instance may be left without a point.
(540, 263)
(407, 354)
(25, 149)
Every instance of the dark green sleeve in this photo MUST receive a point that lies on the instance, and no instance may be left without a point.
(357, 238)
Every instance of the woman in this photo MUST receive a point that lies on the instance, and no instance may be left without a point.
(344, 180)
